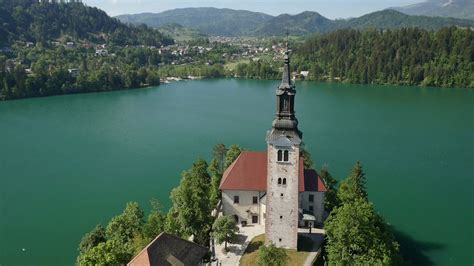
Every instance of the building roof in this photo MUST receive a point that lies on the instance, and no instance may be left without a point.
(249, 172)
(168, 249)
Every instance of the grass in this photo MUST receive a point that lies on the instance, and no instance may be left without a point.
(233, 65)
(250, 257)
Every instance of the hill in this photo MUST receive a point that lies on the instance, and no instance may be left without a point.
(300, 24)
(29, 20)
(391, 19)
(228, 22)
(463, 9)
(208, 20)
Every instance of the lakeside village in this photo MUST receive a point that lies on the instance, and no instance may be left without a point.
(252, 207)
(229, 51)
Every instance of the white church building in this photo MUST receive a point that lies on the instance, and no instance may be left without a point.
(273, 188)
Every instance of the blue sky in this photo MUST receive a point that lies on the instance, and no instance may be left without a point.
(328, 8)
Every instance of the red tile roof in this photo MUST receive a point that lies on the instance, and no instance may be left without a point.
(249, 172)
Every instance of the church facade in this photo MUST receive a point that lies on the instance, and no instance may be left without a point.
(273, 188)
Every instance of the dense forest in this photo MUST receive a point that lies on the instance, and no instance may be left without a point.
(41, 22)
(408, 56)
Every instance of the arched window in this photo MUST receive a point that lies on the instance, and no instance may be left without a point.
(279, 181)
(285, 157)
(284, 181)
(280, 155)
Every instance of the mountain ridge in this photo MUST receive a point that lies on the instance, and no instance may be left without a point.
(230, 22)
(463, 9)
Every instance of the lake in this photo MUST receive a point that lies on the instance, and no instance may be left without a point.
(70, 162)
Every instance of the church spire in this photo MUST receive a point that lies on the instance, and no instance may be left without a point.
(285, 122)
(286, 79)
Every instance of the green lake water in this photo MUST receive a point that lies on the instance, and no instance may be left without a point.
(68, 163)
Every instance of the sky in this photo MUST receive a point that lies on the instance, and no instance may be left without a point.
(328, 8)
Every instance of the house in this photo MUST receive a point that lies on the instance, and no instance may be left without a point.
(70, 45)
(74, 72)
(101, 52)
(273, 188)
(168, 249)
(304, 74)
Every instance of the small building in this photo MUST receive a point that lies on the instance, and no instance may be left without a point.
(74, 72)
(101, 52)
(70, 45)
(168, 249)
(304, 74)
(30, 44)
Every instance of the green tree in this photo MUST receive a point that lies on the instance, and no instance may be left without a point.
(216, 169)
(219, 153)
(191, 202)
(304, 153)
(270, 255)
(127, 224)
(111, 252)
(155, 223)
(356, 235)
(232, 154)
(92, 239)
(216, 176)
(331, 199)
(353, 187)
(224, 230)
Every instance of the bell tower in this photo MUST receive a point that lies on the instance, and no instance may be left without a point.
(283, 167)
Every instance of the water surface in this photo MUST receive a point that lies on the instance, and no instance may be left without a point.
(70, 162)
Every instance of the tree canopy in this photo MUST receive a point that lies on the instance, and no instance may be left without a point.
(191, 202)
(270, 255)
(357, 235)
(354, 186)
(232, 154)
(225, 230)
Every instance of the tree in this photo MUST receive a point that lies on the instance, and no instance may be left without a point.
(270, 255)
(304, 153)
(219, 152)
(225, 230)
(356, 235)
(232, 154)
(191, 202)
(123, 227)
(92, 239)
(353, 187)
(155, 223)
(216, 169)
(331, 199)
(111, 252)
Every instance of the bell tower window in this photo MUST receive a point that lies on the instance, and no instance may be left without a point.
(280, 156)
(279, 181)
(283, 156)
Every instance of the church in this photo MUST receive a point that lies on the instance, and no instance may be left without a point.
(273, 188)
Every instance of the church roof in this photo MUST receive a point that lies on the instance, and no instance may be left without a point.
(249, 172)
(168, 249)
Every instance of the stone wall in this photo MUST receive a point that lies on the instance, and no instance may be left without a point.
(245, 209)
(281, 225)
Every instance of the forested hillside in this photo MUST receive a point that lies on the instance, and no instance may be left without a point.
(441, 8)
(29, 20)
(407, 56)
(228, 22)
